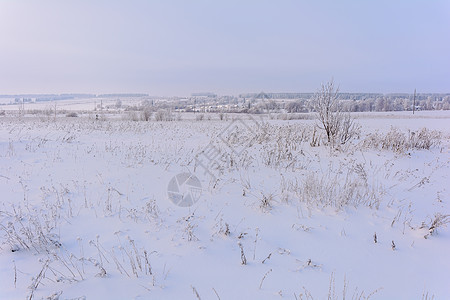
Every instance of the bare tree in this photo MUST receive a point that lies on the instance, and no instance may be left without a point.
(118, 103)
(326, 105)
(348, 129)
(147, 113)
(338, 125)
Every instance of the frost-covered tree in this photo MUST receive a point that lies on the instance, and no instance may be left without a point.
(338, 124)
(118, 103)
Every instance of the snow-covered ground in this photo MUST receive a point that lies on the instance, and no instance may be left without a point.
(85, 211)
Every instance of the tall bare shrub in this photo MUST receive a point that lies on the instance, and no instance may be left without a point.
(339, 126)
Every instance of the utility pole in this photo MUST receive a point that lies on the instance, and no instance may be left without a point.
(414, 101)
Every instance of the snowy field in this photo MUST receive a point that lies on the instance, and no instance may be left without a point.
(85, 211)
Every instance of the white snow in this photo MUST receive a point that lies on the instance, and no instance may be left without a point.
(89, 195)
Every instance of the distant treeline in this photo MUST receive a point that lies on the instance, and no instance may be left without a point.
(71, 96)
(121, 95)
(53, 97)
(48, 96)
(345, 96)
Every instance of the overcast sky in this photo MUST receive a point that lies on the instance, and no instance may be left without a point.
(227, 47)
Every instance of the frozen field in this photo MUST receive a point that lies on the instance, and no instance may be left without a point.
(85, 211)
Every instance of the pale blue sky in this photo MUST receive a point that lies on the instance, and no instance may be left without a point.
(228, 47)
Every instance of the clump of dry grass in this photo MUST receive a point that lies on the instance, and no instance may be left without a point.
(401, 142)
(439, 221)
(336, 190)
(333, 295)
(243, 258)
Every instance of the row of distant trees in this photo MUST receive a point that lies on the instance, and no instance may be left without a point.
(253, 105)
(366, 105)
(377, 104)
